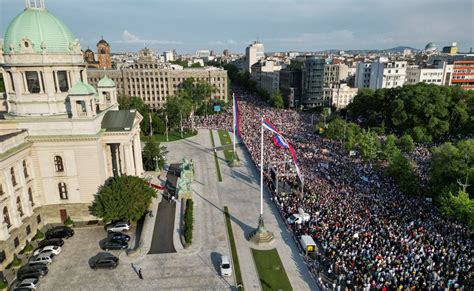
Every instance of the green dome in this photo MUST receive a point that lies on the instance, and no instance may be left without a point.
(38, 26)
(82, 89)
(430, 47)
(106, 82)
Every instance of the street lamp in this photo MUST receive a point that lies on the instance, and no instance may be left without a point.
(155, 158)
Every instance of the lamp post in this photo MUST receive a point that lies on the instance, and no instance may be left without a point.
(155, 158)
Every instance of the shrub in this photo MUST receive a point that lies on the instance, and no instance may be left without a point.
(39, 235)
(28, 249)
(3, 284)
(69, 221)
(16, 261)
(188, 222)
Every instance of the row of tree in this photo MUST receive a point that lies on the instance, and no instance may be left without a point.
(427, 112)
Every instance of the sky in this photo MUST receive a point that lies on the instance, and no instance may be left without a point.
(282, 25)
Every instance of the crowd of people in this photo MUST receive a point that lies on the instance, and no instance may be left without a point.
(369, 234)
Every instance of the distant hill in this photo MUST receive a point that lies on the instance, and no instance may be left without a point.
(398, 49)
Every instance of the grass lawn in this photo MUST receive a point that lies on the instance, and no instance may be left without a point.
(173, 135)
(226, 143)
(216, 159)
(270, 270)
(233, 247)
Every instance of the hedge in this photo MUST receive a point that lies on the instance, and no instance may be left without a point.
(188, 221)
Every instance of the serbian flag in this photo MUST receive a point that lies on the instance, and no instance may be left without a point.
(281, 142)
(236, 115)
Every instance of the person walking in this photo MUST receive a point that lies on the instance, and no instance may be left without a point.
(140, 275)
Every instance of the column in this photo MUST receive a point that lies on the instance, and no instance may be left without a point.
(129, 160)
(122, 160)
(138, 155)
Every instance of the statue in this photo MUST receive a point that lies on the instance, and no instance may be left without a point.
(184, 185)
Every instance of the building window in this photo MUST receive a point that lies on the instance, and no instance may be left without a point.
(30, 197)
(16, 241)
(62, 81)
(38, 219)
(12, 172)
(1, 190)
(6, 217)
(18, 206)
(25, 169)
(58, 164)
(28, 230)
(33, 82)
(62, 190)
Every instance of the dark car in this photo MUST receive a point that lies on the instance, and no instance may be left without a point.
(32, 271)
(59, 232)
(51, 242)
(104, 260)
(118, 236)
(108, 244)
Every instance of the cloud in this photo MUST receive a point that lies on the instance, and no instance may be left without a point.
(318, 39)
(130, 38)
(222, 43)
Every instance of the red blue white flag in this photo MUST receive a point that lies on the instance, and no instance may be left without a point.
(236, 115)
(281, 142)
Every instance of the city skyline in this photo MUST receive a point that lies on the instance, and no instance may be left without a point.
(282, 25)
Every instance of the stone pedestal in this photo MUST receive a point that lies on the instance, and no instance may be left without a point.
(261, 236)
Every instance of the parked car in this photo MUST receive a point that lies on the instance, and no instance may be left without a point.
(298, 218)
(108, 244)
(226, 269)
(104, 260)
(53, 249)
(30, 283)
(51, 242)
(118, 236)
(46, 258)
(32, 271)
(118, 226)
(59, 232)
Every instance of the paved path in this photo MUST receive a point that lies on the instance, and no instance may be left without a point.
(240, 191)
(162, 241)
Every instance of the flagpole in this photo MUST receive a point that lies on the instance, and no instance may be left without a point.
(166, 119)
(234, 121)
(261, 168)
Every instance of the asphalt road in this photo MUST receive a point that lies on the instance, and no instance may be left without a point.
(162, 241)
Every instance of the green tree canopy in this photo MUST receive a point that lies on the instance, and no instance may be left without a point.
(459, 206)
(123, 197)
(450, 164)
(151, 151)
(429, 112)
(390, 149)
(406, 143)
(401, 170)
(369, 145)
(277, 100)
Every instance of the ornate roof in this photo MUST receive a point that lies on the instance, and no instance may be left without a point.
(106, 82)
(43, 31)
(82, 89)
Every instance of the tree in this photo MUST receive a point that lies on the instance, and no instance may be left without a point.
(402, 172)
(175, 107)
(277, 100)
(406, 143)
(452, 164)
(390, 149)
(369, 145)
(122, 198)
(459, 207)
(154, 154)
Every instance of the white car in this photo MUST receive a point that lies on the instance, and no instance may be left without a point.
(45, 258)
(117, 227)
(298, 218)
(226, 268)
(53, 249)
(30, 283)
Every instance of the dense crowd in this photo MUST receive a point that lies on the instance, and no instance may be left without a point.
(369, 234)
